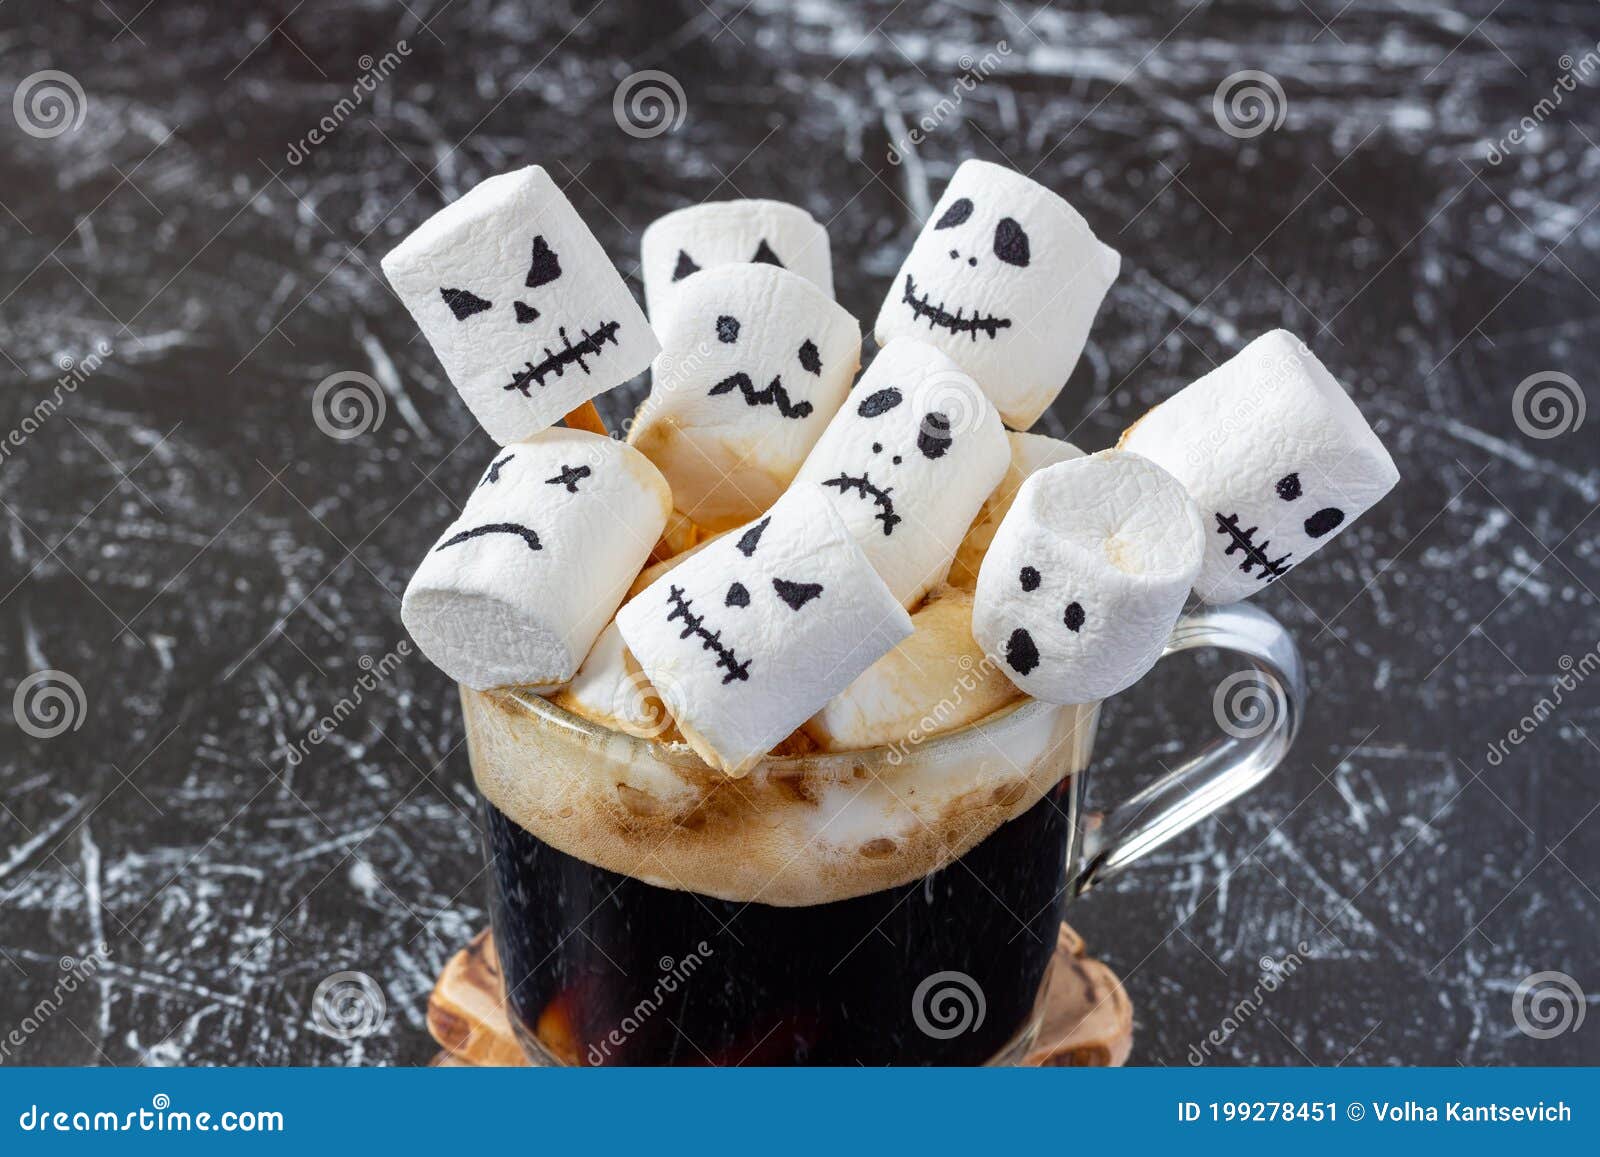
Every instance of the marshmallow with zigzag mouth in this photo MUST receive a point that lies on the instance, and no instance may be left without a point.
(1006, 278)
(748, 638)
(1275, 453)
(525, 312)
(716, 233)
(908, 461)
(754, 362)
(518, 587)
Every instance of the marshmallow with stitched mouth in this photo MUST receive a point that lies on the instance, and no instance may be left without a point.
(518, 587)
(715, 233)
(1087, 576)
(754, 362)
(1275, 453)
(1029, 453)
(748, 638)
(1006, 278)
(526, 314)
(908, 461)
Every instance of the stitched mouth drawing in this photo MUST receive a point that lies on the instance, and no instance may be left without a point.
(588, 346)
(522, 532)
(1255, 554)
(941, 318)
(773, 395)
(694, 624)
(863, 486)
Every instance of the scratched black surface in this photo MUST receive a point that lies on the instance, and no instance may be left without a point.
(182, 539)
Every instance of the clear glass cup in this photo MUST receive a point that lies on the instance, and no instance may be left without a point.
(892, 906)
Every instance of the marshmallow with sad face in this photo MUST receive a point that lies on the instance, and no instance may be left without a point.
(754, 362)
(1275, 453)
(908, 461)
(526, 314)
(1006, 278)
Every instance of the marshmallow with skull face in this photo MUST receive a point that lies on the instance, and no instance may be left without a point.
(1029, 453)
(715, 233)
(754, 362)
(526, 314)
(1275, 453)
(1087, 575)
(908, 461)
(1006, 278)
(519, 586)
(747, 639)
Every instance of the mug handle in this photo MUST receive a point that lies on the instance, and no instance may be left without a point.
(1258, 709)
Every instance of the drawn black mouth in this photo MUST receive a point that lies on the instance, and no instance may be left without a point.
(527, 535)
(570, 353)
(1255, 554)
(941, 318)
(773, 395)
(863, 486)
(694, 624)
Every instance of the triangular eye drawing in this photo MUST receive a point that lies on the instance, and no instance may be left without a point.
(684, 267)
(1010, 242)
(464, 303)
(544, 267)
(959, 211)
(765, 255)
(749, 539)
(525, 313)
(796, 595)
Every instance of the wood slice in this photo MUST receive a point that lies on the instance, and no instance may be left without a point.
(1088, 1019)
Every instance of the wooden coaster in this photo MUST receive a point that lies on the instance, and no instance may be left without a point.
(1088, 1019)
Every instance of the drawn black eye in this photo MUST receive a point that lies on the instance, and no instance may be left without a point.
(1324, 521)
(1073, 617)
(1029, 578)
(795, 594)
(877, 404)
(751, 538)
(525, 313)
(1010, 242)
(727, 329)
(960, 209)
(543, 267)
(464, 303)
(765, 255)
(934, 438)
(1288, 487)
(737, 596)
(684, 267)
(810, 356)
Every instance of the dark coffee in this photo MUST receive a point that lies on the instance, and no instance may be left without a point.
(601, 968)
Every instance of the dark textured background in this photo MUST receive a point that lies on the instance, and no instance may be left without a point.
(182, 539)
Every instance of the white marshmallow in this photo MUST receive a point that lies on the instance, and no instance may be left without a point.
(726, 233)
(519, 586)
(1029, 453)
(908, 460)
(1275, 453)
(526, 314)
(1087, 576)
(747, 639)
(1006, 278)
(754, 362)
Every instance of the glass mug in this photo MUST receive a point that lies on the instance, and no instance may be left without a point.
(891, 906)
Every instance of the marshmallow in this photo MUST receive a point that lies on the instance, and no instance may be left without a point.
(754, 362)
(747, 639)
(937, 680)
(519, 586)
(727, 233)
(1087, 575)
(908, 460)
(1029, 453)
(1276, 455)
(526, 314)
(1006, 278)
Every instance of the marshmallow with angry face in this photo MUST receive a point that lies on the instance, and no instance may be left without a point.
(908, 460)
(1029, 453)
(754, 362)
(748, 638)
(725, 233)
(1006, 278)
(1087, 575)
(1275, 453)
(526, 314)
(519, 586)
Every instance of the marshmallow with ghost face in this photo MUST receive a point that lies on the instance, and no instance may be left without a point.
(715, 233)
(908, 461)
(1275, 453)
(519, 586)
(1087, 576)
(1029, 454)
(754, 362)
(1006, 278)
(748, 638)
(526, 314)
